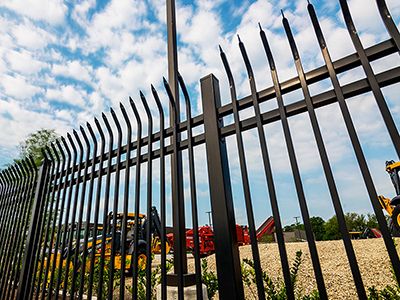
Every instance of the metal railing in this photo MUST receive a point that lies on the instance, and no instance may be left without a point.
(79, 179)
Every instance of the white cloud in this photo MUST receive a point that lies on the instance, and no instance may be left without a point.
(18, 86)
(51, 11)
(23, 62)
(31, 37)
(75, 70)
(67, 94)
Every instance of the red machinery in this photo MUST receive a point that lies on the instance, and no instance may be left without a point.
(206, 236)
(266, 228)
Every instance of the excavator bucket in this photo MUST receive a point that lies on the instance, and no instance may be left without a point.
(156, 246)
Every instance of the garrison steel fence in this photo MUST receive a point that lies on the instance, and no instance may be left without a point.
(48, 247)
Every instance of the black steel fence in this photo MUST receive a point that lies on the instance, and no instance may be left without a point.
(59, 240)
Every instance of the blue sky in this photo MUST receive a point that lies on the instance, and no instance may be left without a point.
(64, 62)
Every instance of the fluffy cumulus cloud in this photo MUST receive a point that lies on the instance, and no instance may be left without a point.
(63, 63)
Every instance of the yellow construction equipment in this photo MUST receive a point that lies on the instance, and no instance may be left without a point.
(393, 206)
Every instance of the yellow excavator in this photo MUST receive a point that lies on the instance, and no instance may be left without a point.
(393, 206)
(141, 248)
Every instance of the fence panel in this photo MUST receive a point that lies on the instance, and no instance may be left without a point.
(75, 228)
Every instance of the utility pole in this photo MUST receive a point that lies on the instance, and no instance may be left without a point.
(209, 217)
(297, 227)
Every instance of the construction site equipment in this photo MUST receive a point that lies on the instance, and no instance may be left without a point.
(142, 244)
(206, 236)
(392, 206)
(266, 228)
(371, 233)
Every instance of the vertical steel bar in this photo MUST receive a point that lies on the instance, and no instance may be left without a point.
(285, 124)
(137, 197)
(323, 156)
(162, 196)
(193, 195)
(115, 209)
(62, 230)
(15, 232)
(85, 253)
(268, 174)
(177, 187)
(45, 226)
(31, 188)
(180, 258)
(106, 201)
(357, 147)
(149, 195)
(97, 207)
(8, 234)
(8, 241)
(25, 200)
(6, 223)
(380, 100)
(77, 265)
(389, 23)
(42, 225)
(53, 172)
(33, 238)
(5, 216)
(126, 200)
(73, 226)
(58, 176)
(225, 237)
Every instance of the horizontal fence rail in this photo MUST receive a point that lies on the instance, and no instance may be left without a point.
(67, 228)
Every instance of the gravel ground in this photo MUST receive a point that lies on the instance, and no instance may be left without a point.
(371, 255)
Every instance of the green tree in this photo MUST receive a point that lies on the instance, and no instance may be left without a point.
(354, 221)
(332, 231)
(317, 224)
(34, 142)
(293, 226)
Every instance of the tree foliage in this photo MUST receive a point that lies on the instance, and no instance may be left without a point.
(34, 142)
(317, 224)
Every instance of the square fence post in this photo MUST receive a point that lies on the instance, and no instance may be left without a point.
(25, 279)
(225, 238)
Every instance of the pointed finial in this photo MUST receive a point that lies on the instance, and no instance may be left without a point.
(130, 99)
(141, 94)
(152, 88)
(283, 16)
(239, 38)
(220, 49)
(259, 25)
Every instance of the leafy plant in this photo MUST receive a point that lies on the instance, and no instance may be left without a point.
(276, 291)
(389, 292)
(209, 279)
(155, 280)
(106, 278)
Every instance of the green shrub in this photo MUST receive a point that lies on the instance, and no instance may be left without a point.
(209, 279)
(276, 291)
